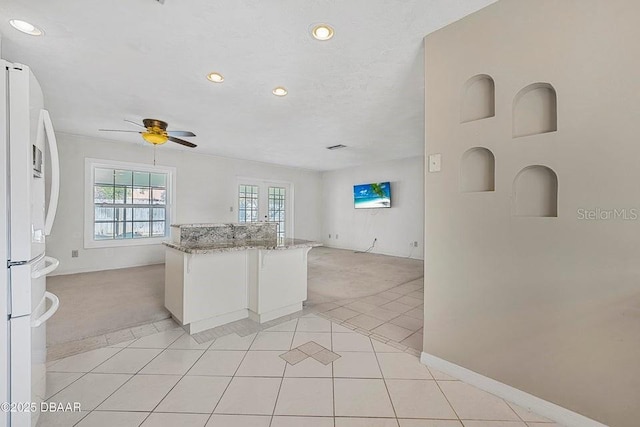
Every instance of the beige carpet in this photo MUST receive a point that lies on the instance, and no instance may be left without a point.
(340, 274)
(93, 304)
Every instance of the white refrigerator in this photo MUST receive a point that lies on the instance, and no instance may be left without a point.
(29, 186)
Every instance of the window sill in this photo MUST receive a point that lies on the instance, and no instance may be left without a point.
(96, 244)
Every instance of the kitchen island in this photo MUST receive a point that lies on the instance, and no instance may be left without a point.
(219, 273)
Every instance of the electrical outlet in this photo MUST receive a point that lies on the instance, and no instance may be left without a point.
(415, 244)
(74, 253)
(329, 235)
(230, 208)
(336, 237)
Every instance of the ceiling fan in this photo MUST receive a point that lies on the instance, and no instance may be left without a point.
(156, 132)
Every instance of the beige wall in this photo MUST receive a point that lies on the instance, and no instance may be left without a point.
(550, 306)
(206, 189)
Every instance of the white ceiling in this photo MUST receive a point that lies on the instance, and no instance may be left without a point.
(102, 61)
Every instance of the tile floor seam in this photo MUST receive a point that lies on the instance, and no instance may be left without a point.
(105, 399)
(59, 391)
(81, 376)
(49, 399)
(512, 408)
(275, 404)
(386, 387)
(80, 420)
(51, 368)
(232, 377)
(177, 382)
(445, 396)
(152, 359)
(333, 385)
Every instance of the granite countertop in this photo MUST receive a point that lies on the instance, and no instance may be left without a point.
(241, 245)
(219, 224)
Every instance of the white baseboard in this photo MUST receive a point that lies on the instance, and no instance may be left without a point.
(539, 406)
(375, 251)
(107, 268)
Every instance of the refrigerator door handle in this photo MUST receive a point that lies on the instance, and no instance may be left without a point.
(53, 264)
(55, 172)
(55, 304)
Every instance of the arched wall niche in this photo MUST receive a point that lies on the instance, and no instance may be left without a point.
(478, 99)
(536, 192)
(535, 110)
(477, 170)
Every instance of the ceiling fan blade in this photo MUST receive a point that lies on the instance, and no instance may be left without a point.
(118, 130)
(133, 123)
(180, 133)
(182, 142)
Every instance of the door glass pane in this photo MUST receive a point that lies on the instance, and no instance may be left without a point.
(248, 203)
(276, 211)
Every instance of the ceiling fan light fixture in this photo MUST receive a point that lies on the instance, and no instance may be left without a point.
(322, 32)
(155, 138)
(26, 27)
(215, 77)
(280, 91)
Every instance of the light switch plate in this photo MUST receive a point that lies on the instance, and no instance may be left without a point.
(435, 162)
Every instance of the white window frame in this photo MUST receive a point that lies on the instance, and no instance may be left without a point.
(89, 176)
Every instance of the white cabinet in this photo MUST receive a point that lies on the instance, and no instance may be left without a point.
(205, 290)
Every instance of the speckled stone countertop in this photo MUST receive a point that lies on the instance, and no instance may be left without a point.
(206, 235)
(241, 245)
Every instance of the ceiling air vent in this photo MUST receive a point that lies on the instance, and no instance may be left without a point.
(336, 147)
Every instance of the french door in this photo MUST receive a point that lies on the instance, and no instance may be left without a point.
(260, 201)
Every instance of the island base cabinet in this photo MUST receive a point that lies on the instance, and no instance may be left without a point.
(277, 283)
(205, 291)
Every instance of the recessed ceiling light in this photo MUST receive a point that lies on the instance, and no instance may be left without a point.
(322, 32)
(280, 91)
(25, 27)
(215, 77)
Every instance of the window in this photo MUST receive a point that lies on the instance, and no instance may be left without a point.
(127, 204)
(248, 203)
(277, 209)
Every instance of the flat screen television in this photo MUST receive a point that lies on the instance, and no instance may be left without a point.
(371, 196)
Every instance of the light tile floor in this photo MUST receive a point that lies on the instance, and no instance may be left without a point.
(168, 379)
(393, 315)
